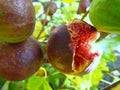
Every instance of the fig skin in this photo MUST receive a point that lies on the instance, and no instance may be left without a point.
(58, 50)
(103, 18)
(19, 61)
(52, 7)
(17, 20)
(62, 53)
(84, 4)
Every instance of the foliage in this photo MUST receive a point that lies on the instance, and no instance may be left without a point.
(55, 80)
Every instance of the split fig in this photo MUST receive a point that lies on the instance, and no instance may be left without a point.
(105, 15)
(70, 48)
(20, 60)
(17, 20)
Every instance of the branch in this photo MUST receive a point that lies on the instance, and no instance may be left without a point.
(102, 35)
(46, 14)
(86, 13)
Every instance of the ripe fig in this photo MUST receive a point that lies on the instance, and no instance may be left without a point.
(105, 15)
(51, 7)
(18, 61)
(17, 20)
(70, 48)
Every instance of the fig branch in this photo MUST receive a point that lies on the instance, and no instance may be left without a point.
(46, 14)
(82, 8)
(86, 13)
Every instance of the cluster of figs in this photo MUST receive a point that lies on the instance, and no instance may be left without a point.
(20, 54)
(71, 47)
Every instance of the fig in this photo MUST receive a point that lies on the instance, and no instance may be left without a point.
(70, 48)
(44, 22)
(105, 15)
(50, 7)
(19, 61)
(17, 20)
(52, 28)
(84, 4)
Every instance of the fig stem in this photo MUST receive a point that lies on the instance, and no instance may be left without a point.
(46, 14)
(102, 35)
(86, 13)
(78, 11)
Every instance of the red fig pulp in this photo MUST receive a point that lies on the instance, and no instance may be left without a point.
(82, 36)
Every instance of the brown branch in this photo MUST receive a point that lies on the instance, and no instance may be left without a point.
(46, 14)
(102, 35)
(86, 13)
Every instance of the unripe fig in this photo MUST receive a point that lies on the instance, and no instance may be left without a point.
(21, 60)
(51, 7)
(17, 20)
(105, 15)
(70, 48)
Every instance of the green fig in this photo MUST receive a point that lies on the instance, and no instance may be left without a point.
(19, 61)
(17, 20)
(105, 15)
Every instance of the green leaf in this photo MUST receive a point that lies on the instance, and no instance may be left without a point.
(109, 56)
(2, 81)
(56, 79)
(38, 28)
(93, 88)
(68, 1)
(6, 86)
(111, 43)
(38, 8)
(21, 85)
(38, 83)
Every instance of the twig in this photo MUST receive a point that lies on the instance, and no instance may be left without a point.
(102, 35)
(86, 13)
(46, 14)
(78, 11)
(106, 82)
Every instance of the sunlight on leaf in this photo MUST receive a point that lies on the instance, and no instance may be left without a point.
(6, 86)
(38, 83)
(20, 85)
(112, 42)
(38, 28)
(38, 8)
(68, 1)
